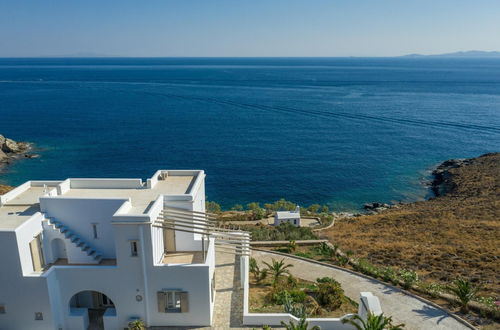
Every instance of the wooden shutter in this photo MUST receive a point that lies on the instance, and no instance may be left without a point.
(36, 254)
(161, 301)
(184, 302)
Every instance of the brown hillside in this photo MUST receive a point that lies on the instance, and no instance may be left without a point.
(4, 189)
(449, 236)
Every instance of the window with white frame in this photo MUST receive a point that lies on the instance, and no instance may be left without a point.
(172, 301)
(134, 248)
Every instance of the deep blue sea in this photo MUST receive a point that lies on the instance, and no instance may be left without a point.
(340, 131)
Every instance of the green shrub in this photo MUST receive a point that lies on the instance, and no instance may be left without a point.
(254, 269)
(324, 250)
(408, 277)
(283, 232)
(291, 282)
(295, 296)
(280, 297)
(237, 207)
(487, 301)
(433, 289)
(326, 280)
(304, 255)
(301, 325)
(212, 207)
(298, 296)
(388, 274)
(280, 205)
(330, 294)
(365, 267)
(257, 212)
(342, 260)
(314, 208)
(373, 322)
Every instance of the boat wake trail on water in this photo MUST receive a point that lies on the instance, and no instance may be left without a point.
(327, 114)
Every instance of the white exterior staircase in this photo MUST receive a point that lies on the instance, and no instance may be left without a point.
(78, 251)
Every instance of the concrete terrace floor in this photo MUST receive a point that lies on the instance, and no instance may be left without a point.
(183, 257)
(413, 312)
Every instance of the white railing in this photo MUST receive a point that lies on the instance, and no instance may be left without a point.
(229, 240)
(14, 193)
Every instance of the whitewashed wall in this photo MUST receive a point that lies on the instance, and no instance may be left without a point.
(22, 296)
(78, 214)
(106, 183)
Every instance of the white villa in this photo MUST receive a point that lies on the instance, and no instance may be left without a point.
(88, 250)
(97, 253)
(291, 217)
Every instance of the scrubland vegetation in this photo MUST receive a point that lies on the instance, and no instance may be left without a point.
(274, 290)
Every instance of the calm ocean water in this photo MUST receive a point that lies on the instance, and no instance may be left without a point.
(335, 131)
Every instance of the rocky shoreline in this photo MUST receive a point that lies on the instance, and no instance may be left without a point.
(11, 150)
(453, 234)
(440, 184)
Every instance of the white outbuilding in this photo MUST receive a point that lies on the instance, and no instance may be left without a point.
(291, 217)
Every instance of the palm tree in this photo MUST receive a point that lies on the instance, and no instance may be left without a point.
(302, 325)
(258, 274)
(465, 292)
(373, 322)
(136, 325)
(278, 269)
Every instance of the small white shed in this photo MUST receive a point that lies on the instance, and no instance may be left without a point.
(292, 217)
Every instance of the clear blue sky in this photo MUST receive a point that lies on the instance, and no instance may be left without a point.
(247, 27)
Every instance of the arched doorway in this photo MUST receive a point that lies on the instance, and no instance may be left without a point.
(96, 304)
(58, 249)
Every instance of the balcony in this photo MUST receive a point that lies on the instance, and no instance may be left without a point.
(183, 257)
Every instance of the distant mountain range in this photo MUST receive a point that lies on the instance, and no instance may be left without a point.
(465, 54)
(80, 55)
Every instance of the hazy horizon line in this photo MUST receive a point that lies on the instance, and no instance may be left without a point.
(472, 53)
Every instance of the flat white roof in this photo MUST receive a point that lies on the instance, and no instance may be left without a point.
(13, 216)
(20, 204)
(287, 215)
(141, 198)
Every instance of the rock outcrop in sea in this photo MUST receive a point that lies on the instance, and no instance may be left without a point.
(11, 150)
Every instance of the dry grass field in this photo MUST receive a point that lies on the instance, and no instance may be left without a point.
(4, 189)
(441, 239)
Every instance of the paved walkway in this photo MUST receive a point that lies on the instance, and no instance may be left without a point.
(228, 309)
(415, 313)
(228, 313)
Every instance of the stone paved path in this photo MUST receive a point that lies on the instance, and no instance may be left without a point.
(228, 310)
(415, 313)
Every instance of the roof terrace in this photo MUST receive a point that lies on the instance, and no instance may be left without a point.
(20, 204)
